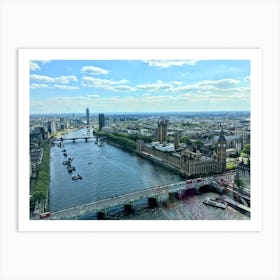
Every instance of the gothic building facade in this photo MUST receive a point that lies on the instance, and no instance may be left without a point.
(162, 130)
(186, 162)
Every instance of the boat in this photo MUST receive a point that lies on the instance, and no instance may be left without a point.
(77, 177)
(65, 154)
(71, 168)
(212, 202)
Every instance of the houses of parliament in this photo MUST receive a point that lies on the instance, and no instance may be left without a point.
(180, 159)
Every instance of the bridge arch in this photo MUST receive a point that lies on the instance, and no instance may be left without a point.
(206, 188)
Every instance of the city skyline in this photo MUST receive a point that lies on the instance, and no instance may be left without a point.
(67, 86)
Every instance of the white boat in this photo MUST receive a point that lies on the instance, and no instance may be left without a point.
(212, 202)
(77, 177)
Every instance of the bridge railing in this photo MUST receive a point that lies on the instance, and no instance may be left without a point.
(127, 198)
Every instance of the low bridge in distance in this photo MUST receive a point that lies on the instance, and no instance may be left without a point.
(61, 139)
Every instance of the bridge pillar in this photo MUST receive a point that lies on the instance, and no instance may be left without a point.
(172, 196)
(180, 195)
(86, 139)
(236, 197)
(73, 140)
(128, 208)
(152, 202)
(101, 215)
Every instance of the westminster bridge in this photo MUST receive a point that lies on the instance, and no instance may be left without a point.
(153, 194)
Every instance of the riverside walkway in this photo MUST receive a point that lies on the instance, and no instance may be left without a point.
(129, 198)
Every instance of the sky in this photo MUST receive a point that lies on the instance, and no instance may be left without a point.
(70, 86)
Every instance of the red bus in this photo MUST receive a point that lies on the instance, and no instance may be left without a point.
(44, 215)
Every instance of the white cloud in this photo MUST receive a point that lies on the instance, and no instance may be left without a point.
(222, 82)
(35, 86)
(169, 63)
(92, 70)
(107, 84)
(44, 61)
(159, 85)
(59, 80)
(146, 102)
(207, 86)
(93, 95)
(176, 86)
(66, 87)
(34, 66)
(210, 85)
(124, 88)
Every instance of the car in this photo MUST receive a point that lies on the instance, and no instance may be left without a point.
(44, 215)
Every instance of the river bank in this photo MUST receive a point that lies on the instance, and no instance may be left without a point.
(119, 146)
(40, 186)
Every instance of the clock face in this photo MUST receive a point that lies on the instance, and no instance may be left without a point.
(219, 145)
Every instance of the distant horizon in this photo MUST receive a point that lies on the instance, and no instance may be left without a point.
(152, 112)
(139, 85)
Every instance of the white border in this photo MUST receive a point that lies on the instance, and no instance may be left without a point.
(254, 55)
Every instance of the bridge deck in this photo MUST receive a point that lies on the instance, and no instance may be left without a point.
(73, 138)
(104, 204)
(129, 198)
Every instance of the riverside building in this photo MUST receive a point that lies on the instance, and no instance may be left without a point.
(183, 161)
(101, 121)
(87, 116)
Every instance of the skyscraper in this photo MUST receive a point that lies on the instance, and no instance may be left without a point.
(87, 115)
(101, 121)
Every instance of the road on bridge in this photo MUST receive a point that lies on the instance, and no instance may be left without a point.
(128, 198)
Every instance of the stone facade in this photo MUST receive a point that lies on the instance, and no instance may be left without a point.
(186, 162)
(162, 130)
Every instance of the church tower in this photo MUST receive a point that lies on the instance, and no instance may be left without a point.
(221, 153)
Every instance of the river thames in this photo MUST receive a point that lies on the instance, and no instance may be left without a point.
(109, 171)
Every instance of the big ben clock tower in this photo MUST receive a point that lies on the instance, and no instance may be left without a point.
(221, 153)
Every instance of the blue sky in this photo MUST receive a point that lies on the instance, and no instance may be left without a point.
(70, 86)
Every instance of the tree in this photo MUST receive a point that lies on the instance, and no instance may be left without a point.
(246, 150)
(198, 144)
(186, 140)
